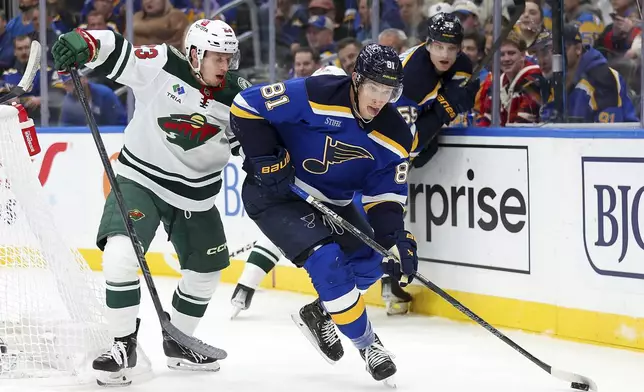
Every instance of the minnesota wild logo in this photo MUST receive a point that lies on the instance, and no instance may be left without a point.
(187, 130)
(136, 215)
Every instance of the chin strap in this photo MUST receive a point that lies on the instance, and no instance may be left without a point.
(356, 106)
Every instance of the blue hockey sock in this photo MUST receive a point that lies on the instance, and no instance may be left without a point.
(333, 279)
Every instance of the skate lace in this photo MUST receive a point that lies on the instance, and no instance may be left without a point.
(118, 353)
(197, 357)
(377, 354)
(328, 333)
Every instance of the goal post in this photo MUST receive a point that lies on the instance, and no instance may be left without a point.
(51, 303)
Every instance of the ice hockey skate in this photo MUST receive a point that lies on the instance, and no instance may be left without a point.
(397, 301)
(316, 325)
(182, 358)
(115, 365)
(379, 363)
(241, 299)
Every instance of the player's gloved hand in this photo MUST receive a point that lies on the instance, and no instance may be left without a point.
(454, 100)
(274, 172)
(426, 154)
(74, 49)
(405, 266)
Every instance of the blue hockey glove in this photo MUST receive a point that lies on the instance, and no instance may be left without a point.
(274, 172)
(454, 100)
(405, 266)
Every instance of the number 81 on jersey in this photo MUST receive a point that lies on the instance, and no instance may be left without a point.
(274, 95)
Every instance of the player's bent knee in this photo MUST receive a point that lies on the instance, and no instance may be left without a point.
(330, 274)
(367, 269)
(119, 260)
(198, 284)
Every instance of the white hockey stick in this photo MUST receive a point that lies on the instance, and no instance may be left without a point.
(33, 65)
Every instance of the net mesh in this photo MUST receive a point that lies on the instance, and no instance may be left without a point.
(51, 303)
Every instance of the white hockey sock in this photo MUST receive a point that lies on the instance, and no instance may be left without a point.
(252, 276)
(122, 321)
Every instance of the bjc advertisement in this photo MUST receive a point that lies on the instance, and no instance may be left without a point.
(613, 215)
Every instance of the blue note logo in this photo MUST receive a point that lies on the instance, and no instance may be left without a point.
(612, 215)
(335, 152)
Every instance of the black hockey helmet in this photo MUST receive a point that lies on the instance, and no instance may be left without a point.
(446, 28)
(380, 64)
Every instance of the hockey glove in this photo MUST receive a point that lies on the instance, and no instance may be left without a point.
(405, 265)
(274, 172)
(454, 100)
(74, 49)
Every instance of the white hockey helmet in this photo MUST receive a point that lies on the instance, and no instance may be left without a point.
(329, 70)
(213, 35)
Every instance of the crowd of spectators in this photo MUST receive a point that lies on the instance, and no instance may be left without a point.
(314, 33)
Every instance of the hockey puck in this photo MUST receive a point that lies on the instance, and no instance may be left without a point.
(579, 386)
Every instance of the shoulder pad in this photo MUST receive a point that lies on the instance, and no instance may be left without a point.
(238, 82)
(390, 123)
(177, 53)
(329, 90)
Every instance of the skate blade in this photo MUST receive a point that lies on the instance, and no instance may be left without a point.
(397, 308)
(114, 379)
(236, 311)
(187, 366)
(309, 336)
(390, 382)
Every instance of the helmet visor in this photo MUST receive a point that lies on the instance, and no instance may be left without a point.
(381, 92)
(234, 61)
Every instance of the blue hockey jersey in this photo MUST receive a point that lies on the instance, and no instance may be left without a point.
(422, 84)
(598, 93)
(333, 156)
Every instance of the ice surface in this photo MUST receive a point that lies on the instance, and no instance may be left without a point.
(268, 353)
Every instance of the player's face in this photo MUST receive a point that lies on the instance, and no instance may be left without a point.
(372, 97)
(512, 59)
(214, 67)
(443, 55)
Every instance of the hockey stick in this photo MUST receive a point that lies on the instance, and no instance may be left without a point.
(577, 381)
(33, 65)
(187, 341)
(243, 249)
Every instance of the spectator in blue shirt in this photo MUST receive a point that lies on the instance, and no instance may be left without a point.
(6, 44)
(105, 105)
(596, 93)
(22, 24)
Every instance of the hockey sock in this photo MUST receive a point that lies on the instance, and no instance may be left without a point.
(260, 262)
(123, 289)
(333, 279)
(191, 299)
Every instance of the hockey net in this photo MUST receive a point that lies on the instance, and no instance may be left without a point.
(51, 303)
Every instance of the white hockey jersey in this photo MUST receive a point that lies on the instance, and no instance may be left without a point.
(179, 140)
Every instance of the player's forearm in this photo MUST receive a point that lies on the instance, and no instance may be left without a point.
(428, 126)
(110, 47)
(386, 219)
